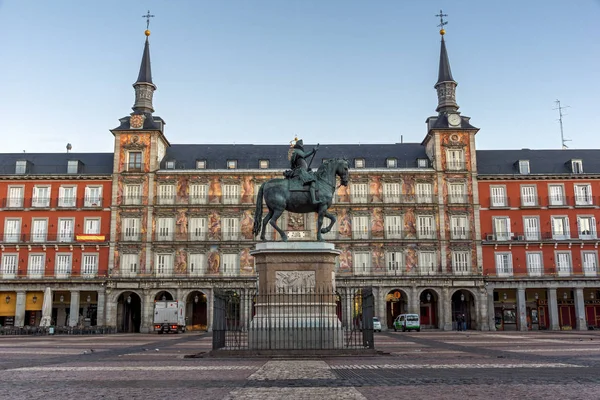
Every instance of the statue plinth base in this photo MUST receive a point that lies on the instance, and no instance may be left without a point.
(296, 303)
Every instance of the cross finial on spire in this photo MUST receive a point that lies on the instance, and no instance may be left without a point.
(148, 16)
(442, 22)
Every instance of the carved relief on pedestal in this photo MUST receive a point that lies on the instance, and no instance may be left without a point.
(294, 280)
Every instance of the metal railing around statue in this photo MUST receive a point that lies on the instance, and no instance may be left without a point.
(293, 319)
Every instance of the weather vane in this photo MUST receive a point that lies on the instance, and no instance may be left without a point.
(148, 16)
(442, 22)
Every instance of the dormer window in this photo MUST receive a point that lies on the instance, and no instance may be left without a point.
(263, 164)
(200, 164)
(135, 161)
(170, 164)
(231, 164)
(391, 162)
(577, 166)
(422, 163)
(21, 167)
(524, 167)
(359, 163)
(72, 167)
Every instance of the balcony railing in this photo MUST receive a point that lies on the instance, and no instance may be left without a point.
(534, 236)
(458, 199)
(456, 166)
(391, 199)
(53, 238)
(51, 202)
(499, 202)
(131, 200)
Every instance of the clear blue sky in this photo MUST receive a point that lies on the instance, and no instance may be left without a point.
(262, 71)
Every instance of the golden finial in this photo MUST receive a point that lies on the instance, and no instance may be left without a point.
(147, 32)
(442, 22)
(147, 16)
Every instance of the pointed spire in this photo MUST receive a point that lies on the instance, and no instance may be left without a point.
(445, 74)
(446, 85)
(145, 74)
(144, 88)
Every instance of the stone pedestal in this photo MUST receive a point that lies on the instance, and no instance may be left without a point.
(296, 303)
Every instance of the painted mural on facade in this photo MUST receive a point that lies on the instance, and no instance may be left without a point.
(246, 262)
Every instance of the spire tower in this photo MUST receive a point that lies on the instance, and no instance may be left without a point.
(144, 88)
(446, 85)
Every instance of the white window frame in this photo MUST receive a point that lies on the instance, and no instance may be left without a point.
(165, 229)
(134, 167)
(504, 264)
(583, 194)
(231, 194)
(461, 262)
(529, 196)
(587, 234)
(589, 263)
(561, 221)
(459, 227)
(163, 266)
(362, 262)
(129, 264)
(392, 192)
(531, 228)
(393, 226)
(577, 166)
(563, 262)
(200, 164)
(535, 263)
(394, 261)
(502, 227)
(424, 192)
(198, 193)
(498, 197)
(170, 164)
(426, 227)
(230, 228)
(36, 265)
(131, 229)
(20, 167)
(359, 192)
(230, 265)
(93, 196)
(63, 265)
(231, 164)
(65, 200)
(391, 162)
(455, 159)
(197, 264)
(422, 163)
(456, 193)
(39, 230)
(89, 265)
(359, 163)
(10, 265)
(15, 198)
(66, 230)
(72, 167)
(524, 167)
(263, 164)
(427, 262)
(198, 228)
(166, 193)
(12, 230)
(92, 226)
(360, 227)
(133, 194)
(40, 197)
(556, 195)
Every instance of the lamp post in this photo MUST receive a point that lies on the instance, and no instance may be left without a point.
(34, 299)
(7, 299)
(428, 297)
(61, 298)
(89, 298)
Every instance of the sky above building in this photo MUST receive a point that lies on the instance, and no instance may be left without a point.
(264, 71)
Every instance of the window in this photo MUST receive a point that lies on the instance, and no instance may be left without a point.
(135, 161)
(586, 226)
(35, 267)
(164, 265)
(560, 228)
(12, 230)
(422, 163)
(460, 262)
(359, 163)
(498, 196)
(166, 194)
(197, 263)
(391, 192)
(129, 264)
(532, 228)
(15, 197)
(394, 262)
(63, 265)
(534, 264)
(563, 263)
(67, 196)
(456, 193)
(590, 263)
(524, 167)
(425, 227)
(91, 226)
(198, 193)
(93, 196)
(131, 229)
(72, 167)
(230, 228)
(393, 227)
(557, 195)
(529, 196)
(424, 192)
(89, 265)
(502, 228)
(263, 164)
(39, 230)
(577, 166)
(41, 197)
(583, 195)
(21, 167)
(231, 194)
(459, 228)
(455, 160)
(165, 227)
(230, 265)
(362, 263)
(231, 164)
(358, 192)
(391, 162)
(200, 164)
(427, 262)
(133, 194)
(170, 164)
(9, 265)
(504, 265)
(65, 229)
(360, 227)
(197, 228)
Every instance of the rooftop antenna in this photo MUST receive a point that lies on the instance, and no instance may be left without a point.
(69, 147)
(560, 116)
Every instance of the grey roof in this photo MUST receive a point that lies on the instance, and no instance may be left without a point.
(248, 155)
(56, 163)
(151, 123)
(145, 74)
(445, 74)
(505, 162)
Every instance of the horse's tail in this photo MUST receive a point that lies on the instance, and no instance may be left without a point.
(258, 212)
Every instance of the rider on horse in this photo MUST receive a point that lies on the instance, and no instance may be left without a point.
(300, 168)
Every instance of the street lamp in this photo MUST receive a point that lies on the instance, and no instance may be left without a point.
(504, 296)
(428, 297)
(536, 295)
(164, 298)
(62, 298)
(89, 298)
(7, 299)
(565, 295)
(128, 299)
(462, 297)
(196, 299)
(34, 299)
(592, 295)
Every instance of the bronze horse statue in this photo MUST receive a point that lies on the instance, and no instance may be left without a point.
(279, 198)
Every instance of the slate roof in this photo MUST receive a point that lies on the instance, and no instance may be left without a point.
(505, 162)
(145, 74)
(444, 74)
(56, 163)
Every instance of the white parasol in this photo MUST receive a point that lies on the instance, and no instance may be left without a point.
(47, 308)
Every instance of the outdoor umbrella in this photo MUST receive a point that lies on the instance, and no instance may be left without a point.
(47, 308)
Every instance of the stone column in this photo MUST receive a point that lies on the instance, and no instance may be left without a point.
(491, 309)
(209, 308)
(447, 307)
(74, 309)
(553, 310)
(522, 309)
(20, 309)
(110, 312)
(580, 310)
(380, 307)
(100, 318)
(483, 323)
(147, 313)
(413, 302)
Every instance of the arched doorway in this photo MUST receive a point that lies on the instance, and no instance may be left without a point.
(429, 309)
(129, 312)
(163, 295)
(196, 311)
(462, 305)
(395, 304)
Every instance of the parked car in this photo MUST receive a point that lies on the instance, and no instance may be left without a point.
(407, 322)
(376, 324)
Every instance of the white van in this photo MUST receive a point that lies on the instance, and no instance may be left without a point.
(407, 322)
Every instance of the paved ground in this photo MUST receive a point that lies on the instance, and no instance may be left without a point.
(432, 365)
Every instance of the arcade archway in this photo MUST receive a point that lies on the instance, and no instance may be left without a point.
(196, 311)
(163, 295)
(429, 312)
(129, 312)
(396, 303)
(463, 310)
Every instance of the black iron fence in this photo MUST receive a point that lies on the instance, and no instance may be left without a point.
(293, 319)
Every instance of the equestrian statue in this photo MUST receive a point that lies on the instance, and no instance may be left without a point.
(300, 191)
